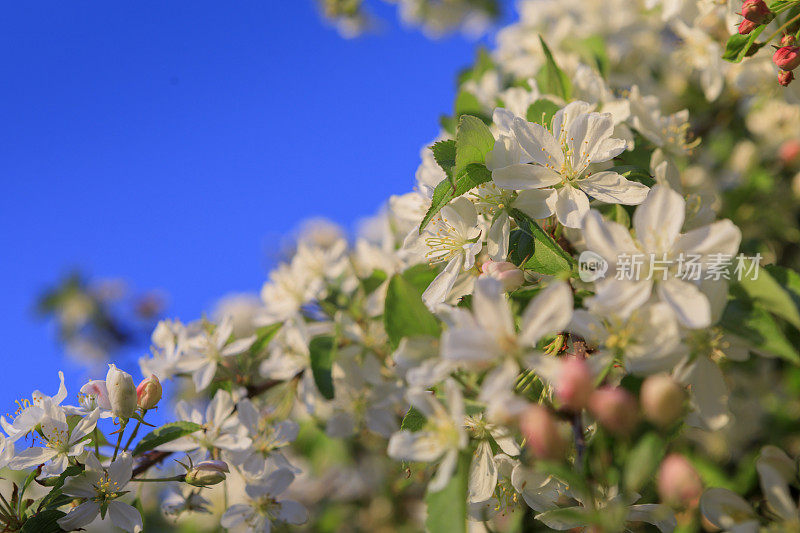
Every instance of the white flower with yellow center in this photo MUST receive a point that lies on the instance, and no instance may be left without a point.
(561, 160)
(60, 443)
(100, 487)
(453, 237)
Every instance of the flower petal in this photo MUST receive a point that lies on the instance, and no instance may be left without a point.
(612, 188)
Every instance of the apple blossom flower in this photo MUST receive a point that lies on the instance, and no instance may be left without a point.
(214, 348)
(30, 413)
(101, 488)
(263, 506)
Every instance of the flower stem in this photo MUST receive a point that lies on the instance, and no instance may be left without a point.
(135, 431)
(783, 27)
(159, 479)
(119, 440)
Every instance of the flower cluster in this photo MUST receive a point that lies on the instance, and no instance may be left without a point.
(450, 366)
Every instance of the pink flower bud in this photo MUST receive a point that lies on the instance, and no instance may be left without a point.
(207, 473)
(787, 57)
(756, 11)
(541, 433)
(148, 393)
(615, 409)
(574, 385)
(678, 483)
(508, 273)
(785, 77)
(789, 152)
(747, 26)
(788, 40)
(662, 400)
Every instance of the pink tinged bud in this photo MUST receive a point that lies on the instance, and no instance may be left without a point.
(747, 26)
(788, 40)
(207, 473)
(785, 77)
(615, 409)
(662, 400)
(148, 393)
(787, 57)
(121, 392)
(789, 151)
(575, 384)
(678, 483)
(756, 11)
(542, 434)
(507, 273)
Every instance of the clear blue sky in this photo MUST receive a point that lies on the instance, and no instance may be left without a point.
(172, 144)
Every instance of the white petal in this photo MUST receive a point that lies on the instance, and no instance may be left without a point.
(549, 312)
(497, 238)
(292, 512)
(709, 393)
(441, 286)
(606, 238)
(539, 143)
(660, 516)
(619, 297)
(278, 481)
(482, 474)
(238, 346)
(721, 237)
(726, 509)
(444, 472)
(31, 457)
(537, 203)
(571, 206)
(80, 516)
(414, 446)
(689, 304)
(124, 516)
(658, 220)
(204, 375)
(121, 469)
(520, 177)
(491, 309)
(612, 188)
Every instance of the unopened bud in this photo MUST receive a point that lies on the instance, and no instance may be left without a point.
(148, 393)
(788, 40)
(615, 409)
(678, 483)
(787, 57)
(507, 273)
(574, 384)
(207, 473)
(756, 11)
(789, 152)
(121, 392)
(785, 77)
(662, 400)
(541, 432)
(747, 26)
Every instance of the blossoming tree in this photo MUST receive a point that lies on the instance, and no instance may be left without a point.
(584, 316)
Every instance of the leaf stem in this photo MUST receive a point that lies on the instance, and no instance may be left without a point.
(782, 27)
(119, 439)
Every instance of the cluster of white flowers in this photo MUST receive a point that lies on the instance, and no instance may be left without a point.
(455, 331)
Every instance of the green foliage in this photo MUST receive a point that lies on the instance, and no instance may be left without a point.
(44, 522)
(593, 50)
(552, 79)
(473, 142)
(533, 249)
(164, 434)
(264, 336)
(541, 112)
(414, 420)
(444, 152)
(375, 280)
(420, 276)
(642, 461)
(322, 351)
(634, 173)
(447, 509)
(405, 314)
(759, 329)
(468, 104)
(740, 46)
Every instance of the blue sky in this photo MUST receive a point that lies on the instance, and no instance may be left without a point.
(172, 144)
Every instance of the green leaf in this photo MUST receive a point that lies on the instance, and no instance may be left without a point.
(759, 329)
(471, 177)
(468, 104)
(593, 50)
(323, 351)
(420, 276)
(740, 46)
(414, 420)
(375, 280)
(629, 172)
(44, 522)
(643, 461)
(473, 141)
(264, 336)
(552, 79)
(546, 256)
(541, 112)
(773, 288)
(447, 508)
(444, 152)
(405, 315)
(165, 434)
